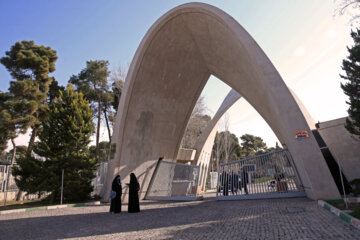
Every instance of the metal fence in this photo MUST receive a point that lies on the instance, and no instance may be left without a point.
(270, 175)
(174, 181)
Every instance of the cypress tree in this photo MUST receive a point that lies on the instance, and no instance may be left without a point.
(63, 144)
(351, 66)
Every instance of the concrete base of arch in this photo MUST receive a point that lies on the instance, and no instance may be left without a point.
(169, 70)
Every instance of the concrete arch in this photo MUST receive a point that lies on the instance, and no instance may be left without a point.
(206, 139)
(205, 142)
(168, 72)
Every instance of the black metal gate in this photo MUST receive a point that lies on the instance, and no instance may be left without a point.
(271, 175)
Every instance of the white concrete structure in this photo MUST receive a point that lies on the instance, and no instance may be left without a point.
(186, 155)
(344, 147)
(169, 70)
(205, 142)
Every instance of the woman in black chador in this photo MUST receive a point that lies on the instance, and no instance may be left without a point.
(115, 205)
(134, 188)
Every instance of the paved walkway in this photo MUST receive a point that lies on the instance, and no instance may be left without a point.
(297, 218)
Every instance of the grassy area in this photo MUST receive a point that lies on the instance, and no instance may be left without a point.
(356, 213)
(22, 204)
(10, 205)
(263, 179)
(354, 207)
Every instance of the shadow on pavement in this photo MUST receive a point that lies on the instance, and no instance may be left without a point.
(92, 224)
(184, 220)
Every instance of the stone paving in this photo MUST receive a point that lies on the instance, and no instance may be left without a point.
(296, 218)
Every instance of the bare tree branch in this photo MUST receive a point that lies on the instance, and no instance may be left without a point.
(349, 7)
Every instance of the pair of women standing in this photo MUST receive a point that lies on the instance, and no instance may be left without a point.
(134, 187)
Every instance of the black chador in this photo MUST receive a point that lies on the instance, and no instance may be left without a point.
(115, 205)
(134, 188)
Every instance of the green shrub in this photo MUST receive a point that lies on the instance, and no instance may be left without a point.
(355, 186)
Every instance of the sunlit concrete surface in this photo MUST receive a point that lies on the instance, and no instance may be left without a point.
(168, 72)
(209, 219)
(343, 146)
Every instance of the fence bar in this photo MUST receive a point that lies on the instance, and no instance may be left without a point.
(3, 179)
(62, 186)
(264, 177)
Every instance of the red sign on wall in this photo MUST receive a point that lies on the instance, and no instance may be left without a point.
(301, 134)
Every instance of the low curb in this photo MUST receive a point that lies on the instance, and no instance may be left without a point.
(344, 216)
(49, 207)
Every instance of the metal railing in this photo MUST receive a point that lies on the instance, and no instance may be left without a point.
(270, 175)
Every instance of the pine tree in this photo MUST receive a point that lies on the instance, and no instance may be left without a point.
(13, 120)
(30, 64)
(351, 88)
(5, 119)
(92, 82)
(226, 147)
(252, 145)
(63, 144)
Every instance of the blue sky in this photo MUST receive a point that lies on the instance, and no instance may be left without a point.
(112, 30)
(302, 38)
